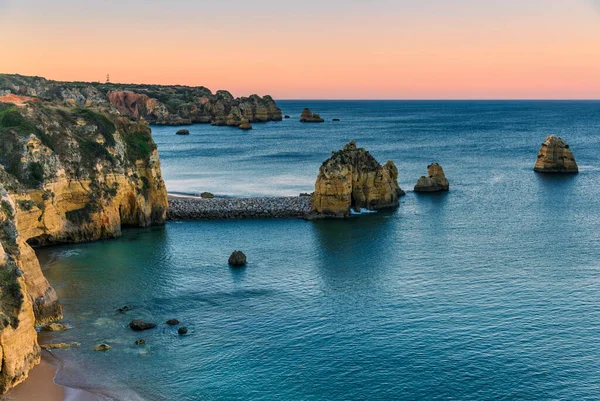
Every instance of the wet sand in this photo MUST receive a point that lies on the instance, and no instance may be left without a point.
(39, 386)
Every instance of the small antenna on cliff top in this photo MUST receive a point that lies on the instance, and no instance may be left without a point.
(107, 78)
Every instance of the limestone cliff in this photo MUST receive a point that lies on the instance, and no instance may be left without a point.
(19, 351)
(555, 156)
(157, 104)
(434, 182)
(352, 179)
(70, 174)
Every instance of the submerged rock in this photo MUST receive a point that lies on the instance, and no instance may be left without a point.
(125, 309)
(102, 347)
(336, 119)
(140, 325)
(182, 330)
(140, 342)
(435, 181)
(55, 327)
(59, 345)
(183, 132)
(352, 179)
(308, 117)
(172, 322)
(555, 156)
(237, 258)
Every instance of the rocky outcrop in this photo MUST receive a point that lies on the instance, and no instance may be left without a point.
(140, 325)
(67, 174)
(237, 258)
(156, 104)
(555, 156)
(183, 132)
(352, 179)
(308, 117)
(435, 181)
(245, 126)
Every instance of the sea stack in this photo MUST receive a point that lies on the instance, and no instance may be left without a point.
(308, 117)
(555, 156)
(435, 181)
(183, 132)
(352, 179)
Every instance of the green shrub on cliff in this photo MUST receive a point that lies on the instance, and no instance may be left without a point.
(139, 144)
(105, 126)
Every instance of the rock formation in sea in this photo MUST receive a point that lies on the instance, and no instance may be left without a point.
(434, 182)
(352, 179)
(68, 173)
(183, 132)
(308, 117)
(237, 258)
(555, 156)
(156, 104)
(140, 325)
(245, 125)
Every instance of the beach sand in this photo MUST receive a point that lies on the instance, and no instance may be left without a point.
(39, 386)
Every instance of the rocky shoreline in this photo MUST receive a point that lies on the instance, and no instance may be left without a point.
(196, 208)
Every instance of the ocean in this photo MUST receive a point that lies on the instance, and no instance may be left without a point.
(487, 292)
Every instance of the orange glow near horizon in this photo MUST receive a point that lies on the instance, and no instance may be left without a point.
(389, 50)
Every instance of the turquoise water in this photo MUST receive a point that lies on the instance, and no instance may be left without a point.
(487, 292)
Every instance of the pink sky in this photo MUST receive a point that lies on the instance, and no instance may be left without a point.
(382, 49)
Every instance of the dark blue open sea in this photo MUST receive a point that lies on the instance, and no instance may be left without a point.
(488, 292)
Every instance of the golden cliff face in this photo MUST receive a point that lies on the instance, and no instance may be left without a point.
(19, 351)
(68, 175)
(555, 156)
(353, 179)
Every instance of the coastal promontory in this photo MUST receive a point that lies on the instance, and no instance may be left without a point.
(555, 156)
(351, 179)
(70, 172)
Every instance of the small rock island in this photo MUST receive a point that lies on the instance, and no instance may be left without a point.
(308, 117)
(555, 156)
(352, 179)
(435, 181)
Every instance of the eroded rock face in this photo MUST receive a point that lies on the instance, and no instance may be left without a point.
(308, 117)
(555, 156)
(352, 179)
(435, 181)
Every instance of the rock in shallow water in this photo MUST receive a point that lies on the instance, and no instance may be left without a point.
(237, 258)
(102, 347)
(182, 331)
(183, 132)
(555, 156)
(140, 342)
(140, 325)
(55, 327)
(172, 322)
(435, 181)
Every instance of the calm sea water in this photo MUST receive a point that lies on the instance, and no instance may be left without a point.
(488, 292)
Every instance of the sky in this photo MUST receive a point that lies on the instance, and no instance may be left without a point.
(326, 49)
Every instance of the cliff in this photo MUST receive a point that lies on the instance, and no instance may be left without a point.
(434, 182)
(555, 156)
(68, 174)
(352, 179)
(156, 104)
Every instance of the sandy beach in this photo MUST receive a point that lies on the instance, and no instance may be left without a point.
(39, 386)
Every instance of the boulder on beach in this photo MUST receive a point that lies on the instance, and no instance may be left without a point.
(102, 347)
(172, 322)
(182, 330)
(435, 181)
(308, 117)
(55, 327)
(183, 132)
(555, 156)
(140, 325)
(237, 258)
(352, 179)
(206, 195)
(245, 125)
